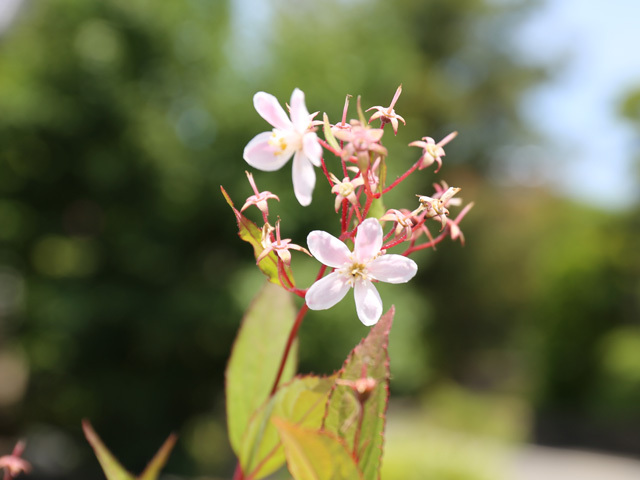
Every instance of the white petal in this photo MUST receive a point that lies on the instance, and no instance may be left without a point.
(269, 108)
(299, 112)
(392, 269)
(327, 249)
(312, 148)
(368, 302)
(327, 291)
(368, 240)
(304, 178)
(259, 154)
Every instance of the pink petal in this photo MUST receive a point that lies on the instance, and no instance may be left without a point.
(327, 291)
(311, 148)
(299, 112)
(368, 302)
(268, 107)
(368, 240)
(304, 178)
(259, 154)
(327, 249)
(392, 269)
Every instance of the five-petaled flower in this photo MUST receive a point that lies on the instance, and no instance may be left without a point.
(281, 246)
(259, 199)
(437, 207)
(388, 114)
(432, 151)
(356, 269)
(295, 137)
(362, 141)
(345, 189)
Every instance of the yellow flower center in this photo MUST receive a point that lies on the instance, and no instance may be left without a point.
(345, 189)
(278, 142)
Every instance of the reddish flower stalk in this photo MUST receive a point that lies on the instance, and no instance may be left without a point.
(401, 178)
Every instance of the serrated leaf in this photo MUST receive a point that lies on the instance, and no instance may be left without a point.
(113, 470)
(255, 358)
(316, 454)
(342, 417)
(302, 402)
(252, 234)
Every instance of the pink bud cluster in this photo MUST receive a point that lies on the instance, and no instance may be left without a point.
(356, 176)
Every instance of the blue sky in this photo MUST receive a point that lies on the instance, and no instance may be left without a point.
(589, 149)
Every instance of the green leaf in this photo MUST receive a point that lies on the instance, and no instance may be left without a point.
(255, 358)
(316, 454)
(252, 234)
(344, 408)
(302, 402)
(377, 209)
(113, 470)
(159, 460)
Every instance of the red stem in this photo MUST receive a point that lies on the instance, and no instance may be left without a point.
(401, 178)
(292, 336)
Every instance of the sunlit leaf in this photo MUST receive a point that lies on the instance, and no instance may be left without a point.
(364, 437)
(252, 234)
(316, 454)
(302, 402)
(113, 470)
(256, 356)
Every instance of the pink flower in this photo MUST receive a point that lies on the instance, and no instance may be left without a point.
(402, 219)
(432, 151)
(259, 199)
(388, 114)
(356, 269)
(346, 189)
(362, 141)
(281, 246)
(12, 464)
(436, 207)
(269, 151)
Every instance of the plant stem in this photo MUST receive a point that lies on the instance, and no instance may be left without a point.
(292, 336)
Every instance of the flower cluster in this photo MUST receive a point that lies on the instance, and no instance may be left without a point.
(356, 177)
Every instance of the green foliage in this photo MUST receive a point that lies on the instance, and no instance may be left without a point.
(316, 454)
(341, 415)
(301, 402)
(250, 233)
(256, 356)
(360, 422)
(112, 468)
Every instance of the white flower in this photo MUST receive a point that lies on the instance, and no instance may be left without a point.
(269, 151)
(367, 262)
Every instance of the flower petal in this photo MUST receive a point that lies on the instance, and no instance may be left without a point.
(260, 154)
(327, 249)
(269, 108)
(392, 268)
(327, 291)
(299, 112)
(304, 178)
(368, 240)
(368, 302)
(311, 148)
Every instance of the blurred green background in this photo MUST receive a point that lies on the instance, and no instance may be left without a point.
(122, 280)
